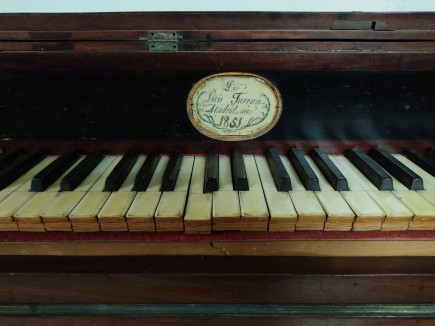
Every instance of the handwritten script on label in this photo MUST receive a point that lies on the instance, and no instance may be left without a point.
(234, 106)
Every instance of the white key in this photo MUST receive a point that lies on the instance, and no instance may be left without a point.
(23, 183)
(428, 179)
(296, 182)
(391, 206)
(311, 215)
(12, 203)
(424, 211)
(197, 182)
(55, 186)
(156, 179)
(252, 173)
(88, 208)
(144, 205)
(253, 207)
(356, 180)
(169, 213)
(116, 206)
(429, 195)
(362, 204)
(323, 183)
(337, 210)
(183, 179)
(95, 174)
(416, 203)
(99, 184)
(226, 203)
(369, 215)
(31, 211)
(197, 218)
(128, 183)
(61, 207)
(334, 204)
(15, 195)
(225, 178)
(279, 203)
(307, 204)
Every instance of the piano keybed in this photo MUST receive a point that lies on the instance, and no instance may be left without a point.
(270, 193)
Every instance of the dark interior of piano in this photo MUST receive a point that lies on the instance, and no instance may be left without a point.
(110, 193)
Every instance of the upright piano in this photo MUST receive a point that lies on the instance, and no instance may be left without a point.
(116, 207)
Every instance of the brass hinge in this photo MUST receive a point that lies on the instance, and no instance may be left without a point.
(162, 41)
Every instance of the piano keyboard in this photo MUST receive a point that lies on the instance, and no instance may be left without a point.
(205, 193)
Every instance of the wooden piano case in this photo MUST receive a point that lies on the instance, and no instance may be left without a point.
(113, 81)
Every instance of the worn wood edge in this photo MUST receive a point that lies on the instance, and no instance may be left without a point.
(206, 20)
(300, 248)
(215, 60)
(223, 310)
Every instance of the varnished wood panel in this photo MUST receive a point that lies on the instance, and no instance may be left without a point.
(276, 248)
(218, 61)
(207, 21)
(213, 288)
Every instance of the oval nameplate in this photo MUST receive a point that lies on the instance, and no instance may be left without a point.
(234, 106)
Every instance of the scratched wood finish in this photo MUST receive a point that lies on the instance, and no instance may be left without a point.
(211, 248)
(211, 288)
(217, 61)
(249, 280)
(201, 21)
(217, 41)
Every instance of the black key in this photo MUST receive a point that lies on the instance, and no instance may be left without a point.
(240, 180)
(10, 156)
(397, 169)
(81, 171)
(121, 170)
(211, 176)
(371, 170)
(303, 170)
(20, 166)
(279, 173)
(53, 171)
(431, 153)
(171, 173)
(422, 161)
(146, 172)
(334, 176)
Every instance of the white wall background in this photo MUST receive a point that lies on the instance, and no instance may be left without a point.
(27, 6)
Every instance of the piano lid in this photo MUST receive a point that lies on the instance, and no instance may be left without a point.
(218, 41)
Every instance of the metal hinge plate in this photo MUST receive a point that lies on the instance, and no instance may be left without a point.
(162, 41)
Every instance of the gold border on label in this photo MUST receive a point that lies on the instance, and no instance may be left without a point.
(267, 83)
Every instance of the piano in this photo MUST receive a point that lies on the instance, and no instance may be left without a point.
(116, 208)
